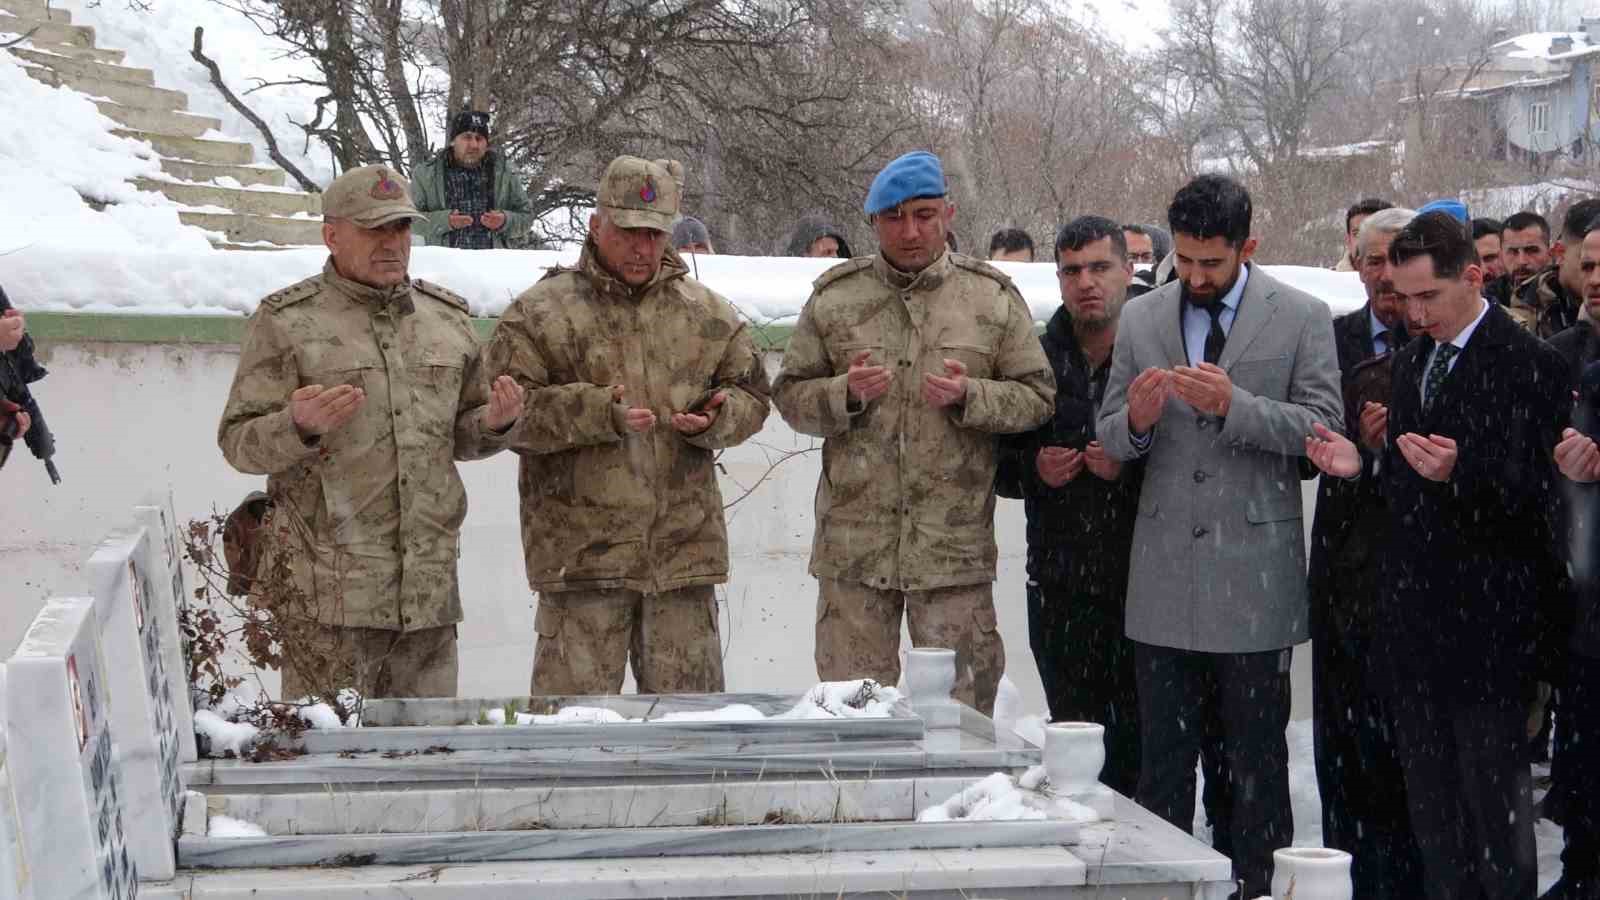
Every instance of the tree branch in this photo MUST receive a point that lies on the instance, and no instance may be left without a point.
(283, 162)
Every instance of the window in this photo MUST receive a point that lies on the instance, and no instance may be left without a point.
(1538, 118)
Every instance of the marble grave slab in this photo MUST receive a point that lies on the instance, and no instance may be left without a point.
(142, 705)
(65, 777)
(167, 594)
(421, 724)
(15, 883)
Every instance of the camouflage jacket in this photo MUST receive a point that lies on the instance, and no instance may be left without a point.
(375, 507)
(602, 509)
(906, 499)
(1543, 306)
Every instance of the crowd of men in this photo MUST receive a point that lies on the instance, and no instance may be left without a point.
(1157, 433)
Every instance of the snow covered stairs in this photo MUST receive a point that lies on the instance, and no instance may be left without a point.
(216, 179)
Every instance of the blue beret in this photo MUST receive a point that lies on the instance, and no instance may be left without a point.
(916, 174)
(1455, 209)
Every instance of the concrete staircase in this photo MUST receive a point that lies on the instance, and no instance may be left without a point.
(206, 171)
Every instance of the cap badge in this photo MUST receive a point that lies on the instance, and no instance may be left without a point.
(387, 188)
(648, 192)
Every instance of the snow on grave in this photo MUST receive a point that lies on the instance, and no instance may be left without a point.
(14, 881)
(167, 594)
(141, 702)
(68, 788)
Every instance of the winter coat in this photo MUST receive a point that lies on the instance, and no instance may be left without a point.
(602, 507)
(1080, 534)
(510, 197)
(806, 232)
(1471, 571)
(1543, 306)
(1579, 346)
(1350, 514)
(374, 508)
(906, 497)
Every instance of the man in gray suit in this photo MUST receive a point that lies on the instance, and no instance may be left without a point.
(1216, 380)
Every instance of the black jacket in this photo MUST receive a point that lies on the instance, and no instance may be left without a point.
(1580, 346)
(1080, 535)
(1473, 590)
(1342, 571)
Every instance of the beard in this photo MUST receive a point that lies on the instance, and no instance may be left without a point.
(1196, 300)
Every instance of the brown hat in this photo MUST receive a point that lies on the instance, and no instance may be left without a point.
(637, 193)
(371, 196)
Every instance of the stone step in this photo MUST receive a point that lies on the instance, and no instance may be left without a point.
(227, 153)
(254, 203)
(50, 32)
(158, 121)
(139, 95)
(242, 229)
(188, 170)
(93, 54)
(86, 68)
(35, 9)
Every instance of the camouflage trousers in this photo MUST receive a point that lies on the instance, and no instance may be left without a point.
(587, 637)
(858, 634)
(376, 661)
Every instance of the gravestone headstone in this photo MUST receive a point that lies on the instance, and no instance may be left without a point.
(65, 777)
(141, 700)
(14, 881)
(163, 567)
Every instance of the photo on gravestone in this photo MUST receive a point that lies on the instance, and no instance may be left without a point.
(271, 623)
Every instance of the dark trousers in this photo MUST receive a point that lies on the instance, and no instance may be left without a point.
(1086, 663)
(1577, 773)
(1470, 792)
(1358, 770)
(1248, 694)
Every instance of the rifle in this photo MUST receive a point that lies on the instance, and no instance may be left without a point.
(18, 369)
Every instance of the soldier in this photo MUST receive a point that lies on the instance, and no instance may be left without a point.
(910, 364)
(636, 376)
(355, 390)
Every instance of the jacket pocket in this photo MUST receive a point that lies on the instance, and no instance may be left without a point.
(548, 617)
(844, 353)
(1264, 376)
(978, 359)
(1260, 513)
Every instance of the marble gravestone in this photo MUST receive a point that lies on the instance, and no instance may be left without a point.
(167, 595)
(14, 881)
(70, 799)
(141, 700)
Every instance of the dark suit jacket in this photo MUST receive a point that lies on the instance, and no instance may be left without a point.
(1341, 575)
(1471, 579)
(1580, 347)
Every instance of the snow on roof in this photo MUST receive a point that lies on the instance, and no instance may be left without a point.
(1539, 44)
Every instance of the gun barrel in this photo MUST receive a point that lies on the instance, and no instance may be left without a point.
(50, 467)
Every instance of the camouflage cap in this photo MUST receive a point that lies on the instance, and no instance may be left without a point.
(371, 196)
(639, 193)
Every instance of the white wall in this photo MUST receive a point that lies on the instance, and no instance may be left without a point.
(133, 417)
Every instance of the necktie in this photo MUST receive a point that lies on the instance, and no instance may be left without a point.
(1436, 373)
(1215, 337)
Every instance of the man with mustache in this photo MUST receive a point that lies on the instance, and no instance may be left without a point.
(1215, 381)
(1080, 506)
(1358, 768)
(356, 390)
(637, 374)
(470, 196)
(910, 364)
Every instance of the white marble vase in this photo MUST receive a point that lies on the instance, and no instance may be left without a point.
(1074, 754)
(1310, 873)
(930, 677)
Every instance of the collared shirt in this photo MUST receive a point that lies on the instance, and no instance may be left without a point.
(1380, 334)
(1197, 322)
(1460, 342)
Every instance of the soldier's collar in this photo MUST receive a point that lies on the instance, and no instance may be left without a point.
(606, 283)
(397, 297)
(926, 280)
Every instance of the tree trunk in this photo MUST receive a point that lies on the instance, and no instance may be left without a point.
(390, 15)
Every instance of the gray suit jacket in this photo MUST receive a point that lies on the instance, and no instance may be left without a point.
(1219, 549)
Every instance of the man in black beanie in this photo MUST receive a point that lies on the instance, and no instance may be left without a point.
(472, 199)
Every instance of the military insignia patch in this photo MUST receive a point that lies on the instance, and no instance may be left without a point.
(387, 188)
(648, 192)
